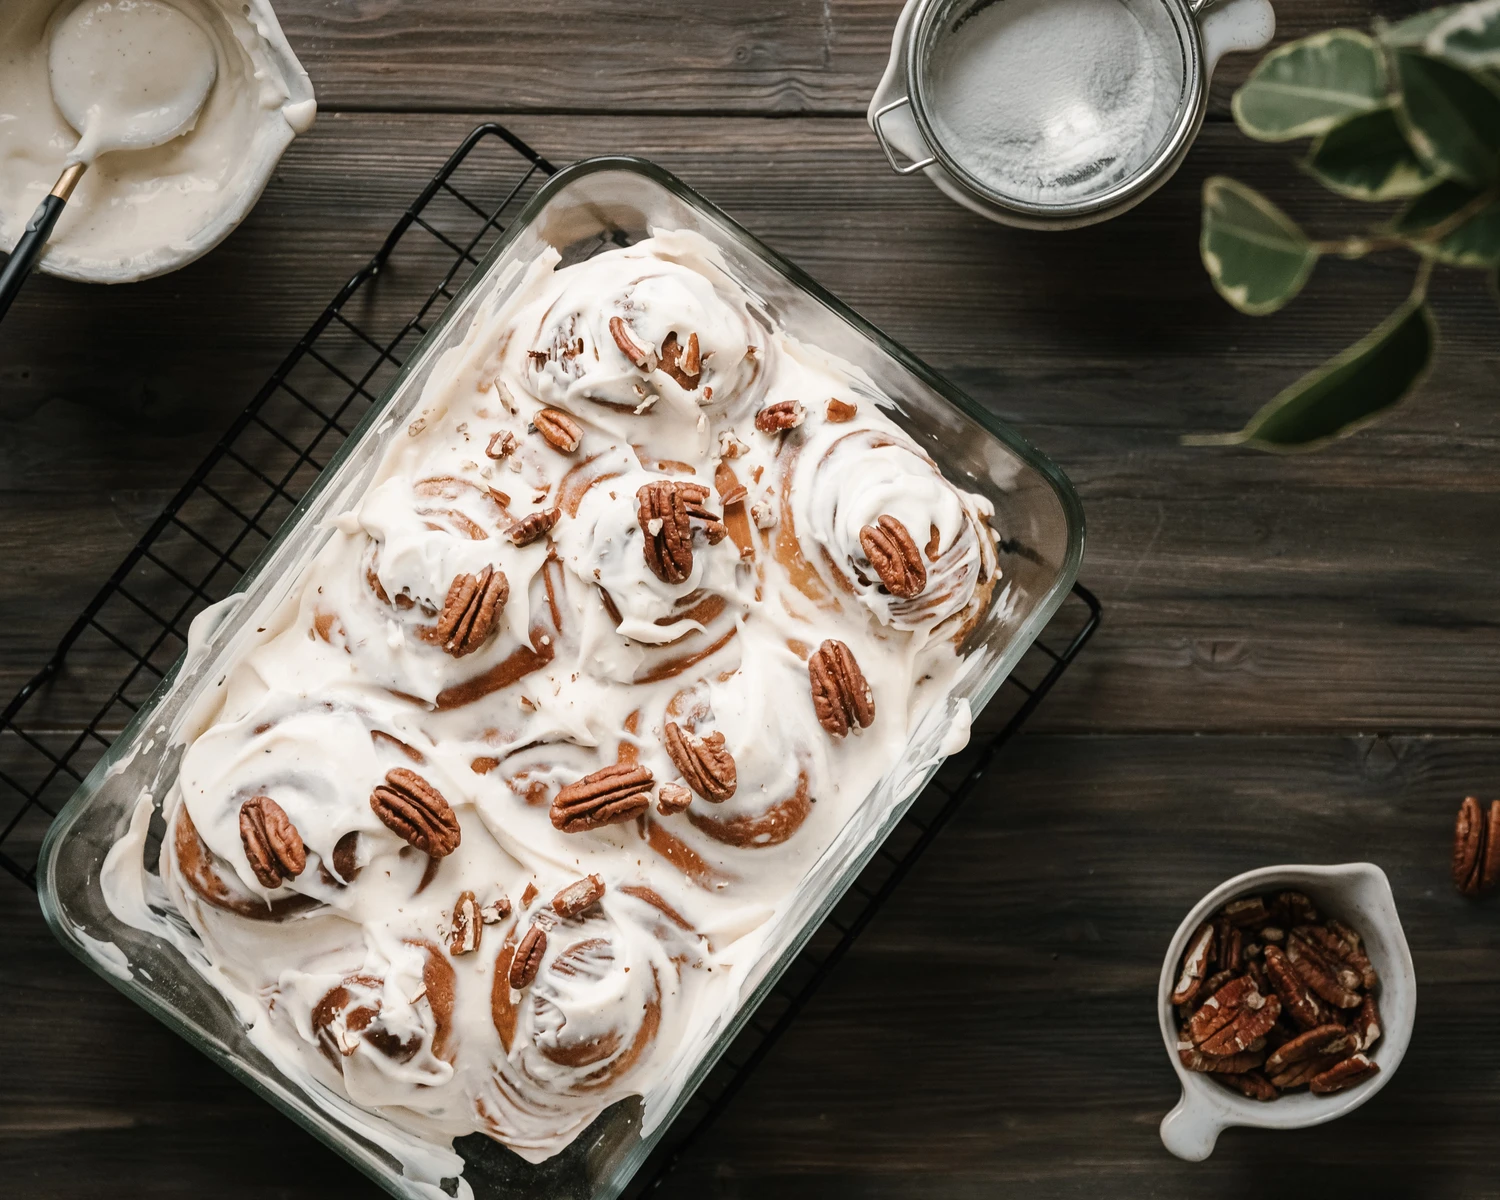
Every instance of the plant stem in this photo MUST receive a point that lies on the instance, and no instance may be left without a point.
(1358, 247)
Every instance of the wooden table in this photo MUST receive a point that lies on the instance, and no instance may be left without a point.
(1299, 659)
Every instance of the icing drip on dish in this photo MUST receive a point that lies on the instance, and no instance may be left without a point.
(540, 752)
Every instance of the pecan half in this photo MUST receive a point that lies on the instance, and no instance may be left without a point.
(1354, 1069)
(1316, 973)
(1366, 1023)
(1251, 1083)
(533, 525)
(501, 444)
(672, 798)
(639, 355)
(1219, 1010)
(1476, 849)
(578, 896)
(839, 411)
(781, 416)
(841, 694)
(666, 509)
(1305, 1009)
(527, 960)
(1302, 1073)
(1249, 911)
(1194, 964)
(683, 365)
(411, 807)
(1351, 972)
(1233, 1064)
(559, 430)
(616, 793)
(895, 557)
(470, 612)
(704, 763)
(467, 926)
(273, 846)
(1293, 908)
(1257, 1014)
(1326, 1041)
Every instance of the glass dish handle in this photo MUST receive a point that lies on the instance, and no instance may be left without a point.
(890, 154)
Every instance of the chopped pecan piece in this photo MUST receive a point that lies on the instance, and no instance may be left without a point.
(1326, 1041)
(1194, 964)
(1305, 1009)
(558, 429)
(1366, 1023)
(666, 509)
(616, 793)
(533, 525)
(684, 366)
(467, 926)
(839, 411)
(781, 416)
(704, 763)
(1249, 1083)
(527, 960)
(470, 612)
(1354, 1069)
(411, 807)
(578, 896)
(639, 355)
(841, 694)
(672, 798)
(895, 557)
(1476, 851)
(495, 911)
(273, 847)
(501, 444)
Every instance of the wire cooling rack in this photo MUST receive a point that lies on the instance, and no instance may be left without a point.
(127, 638)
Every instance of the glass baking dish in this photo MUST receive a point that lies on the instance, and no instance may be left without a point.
(585, 208)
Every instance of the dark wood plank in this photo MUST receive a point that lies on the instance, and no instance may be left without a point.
(1348, 590)
(992, 1032)
(629, 56)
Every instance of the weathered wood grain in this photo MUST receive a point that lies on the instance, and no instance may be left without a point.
(617, 56)
(1349, 590)
(993, 1031)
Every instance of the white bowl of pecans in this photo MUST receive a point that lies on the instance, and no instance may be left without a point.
(1286, 1000)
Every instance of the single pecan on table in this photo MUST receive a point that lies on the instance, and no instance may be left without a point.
(1476, 847)
(533, 526)
(894, 555)
(559, 430)
(666, 510)
(411, 807)
(705, 764)
(608, 796)
(781, 416)
(841, 694)
(470, 612)
(1270, 998)
(273, 847)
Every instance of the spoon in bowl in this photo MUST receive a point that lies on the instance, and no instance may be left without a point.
(127, 75)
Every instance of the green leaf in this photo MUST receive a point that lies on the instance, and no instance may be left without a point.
(1467, 36)
(1451, 119)
(1475, 242)
(1368, 158)
(1413, 31)
(1255, 254)
(1308, 87)
(1347, 392)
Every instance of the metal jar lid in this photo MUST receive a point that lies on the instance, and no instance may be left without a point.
(931, 26)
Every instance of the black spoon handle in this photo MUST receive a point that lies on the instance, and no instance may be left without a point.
(34, 240)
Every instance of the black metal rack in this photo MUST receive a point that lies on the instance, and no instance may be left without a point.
(127, 638)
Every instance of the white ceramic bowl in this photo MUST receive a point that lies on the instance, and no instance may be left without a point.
(1359, 895)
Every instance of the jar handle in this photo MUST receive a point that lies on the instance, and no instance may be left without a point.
(890, 154)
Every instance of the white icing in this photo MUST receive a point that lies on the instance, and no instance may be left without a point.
(139, 212)
(354, 993)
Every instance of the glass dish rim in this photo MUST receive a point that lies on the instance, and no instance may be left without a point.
(288, 1099)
